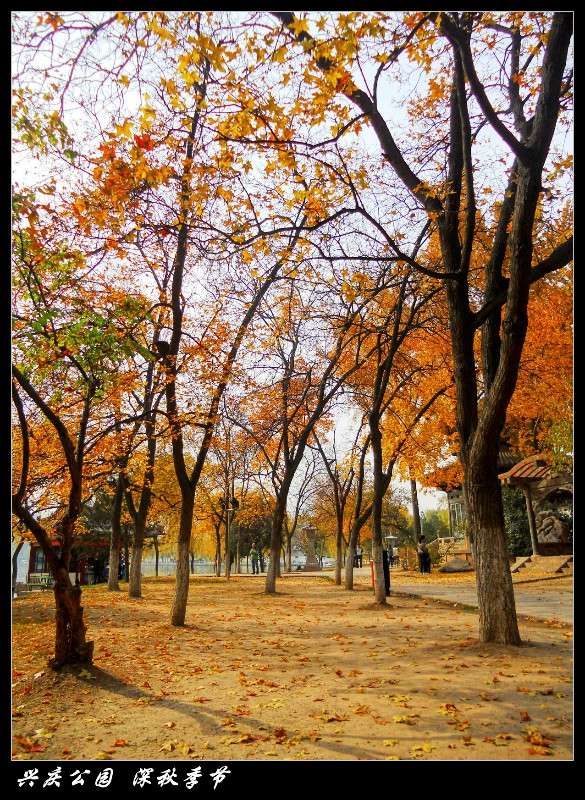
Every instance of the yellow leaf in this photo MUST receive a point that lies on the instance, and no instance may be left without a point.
(168, 746)
(425, 748)
(125, 129)
(45, 733)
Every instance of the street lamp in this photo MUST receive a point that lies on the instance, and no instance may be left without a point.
(230, 504)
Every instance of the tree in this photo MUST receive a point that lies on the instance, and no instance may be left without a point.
(163, 187)
(224, 164)
(534, 95)
(64, 366)
(341, 478)
(303, 390)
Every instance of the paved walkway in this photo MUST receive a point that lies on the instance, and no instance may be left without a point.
(540, 603)
(541, 600)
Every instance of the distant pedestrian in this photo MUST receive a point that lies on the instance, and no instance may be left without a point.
(390, 555)
(255, 558)
(359, 554)
(424, 557)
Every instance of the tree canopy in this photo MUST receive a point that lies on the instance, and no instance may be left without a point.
(285, 225)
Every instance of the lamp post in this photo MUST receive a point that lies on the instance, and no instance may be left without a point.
(230, 504)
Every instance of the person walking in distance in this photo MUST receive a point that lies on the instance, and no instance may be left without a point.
(424, 557)
(255, 557)
(359, 553)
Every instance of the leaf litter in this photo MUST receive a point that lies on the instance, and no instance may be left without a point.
(287, 677)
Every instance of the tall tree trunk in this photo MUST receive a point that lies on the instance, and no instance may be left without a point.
(495, 590)
(238, 550)
(275, 545)
(350, 555)
(415, 510)
(218, 558)
(135, 572)
(116, 537)
(380, 485)
(179, 607)
(338, 552)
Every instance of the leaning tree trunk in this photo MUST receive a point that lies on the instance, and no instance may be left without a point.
(356, 527)
(71, 645)
(15, 565)
(495, 590)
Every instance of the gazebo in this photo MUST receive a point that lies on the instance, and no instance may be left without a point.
(539, 481)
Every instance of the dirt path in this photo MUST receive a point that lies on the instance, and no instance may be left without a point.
(312, 673)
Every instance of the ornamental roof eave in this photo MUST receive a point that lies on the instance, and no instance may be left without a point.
(530, 470)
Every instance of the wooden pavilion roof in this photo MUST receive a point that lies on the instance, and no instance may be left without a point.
(531, 469)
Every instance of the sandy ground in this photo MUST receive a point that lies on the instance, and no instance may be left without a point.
(312, 673)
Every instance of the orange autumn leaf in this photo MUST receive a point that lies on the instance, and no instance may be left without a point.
(333, 717)
(534, 736)
(145, 142)
(30, 745)
(537, 750)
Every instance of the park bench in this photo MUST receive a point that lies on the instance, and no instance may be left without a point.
(40, 580)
